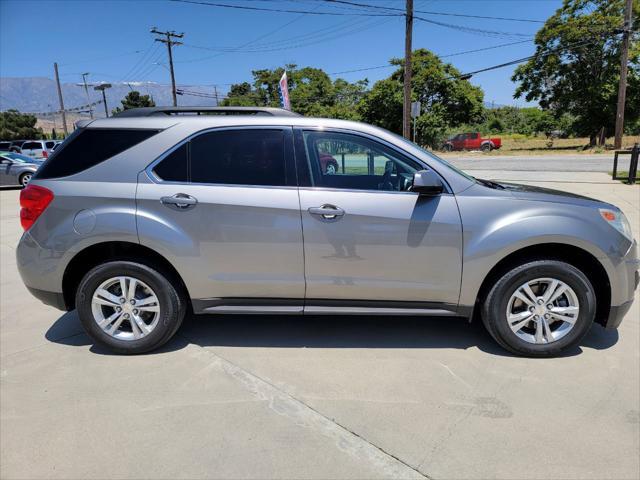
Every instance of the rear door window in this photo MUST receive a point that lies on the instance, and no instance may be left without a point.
(239, 157)
(89, 147)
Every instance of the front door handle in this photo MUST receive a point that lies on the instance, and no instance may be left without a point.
(180, 201)
(328, 212)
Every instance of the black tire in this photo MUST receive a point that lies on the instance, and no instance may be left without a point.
(485, 147)
(171, 301)
(24, 177)
(447, 147)
(494, 311)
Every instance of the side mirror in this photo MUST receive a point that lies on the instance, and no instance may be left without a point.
(426, 182)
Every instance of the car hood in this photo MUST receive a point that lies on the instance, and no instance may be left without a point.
(530, 192)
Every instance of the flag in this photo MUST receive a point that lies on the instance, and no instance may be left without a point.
(284, 92)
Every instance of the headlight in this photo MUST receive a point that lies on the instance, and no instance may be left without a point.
(618, 221)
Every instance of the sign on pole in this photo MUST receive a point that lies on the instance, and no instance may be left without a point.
(284, 92)
(415, 109)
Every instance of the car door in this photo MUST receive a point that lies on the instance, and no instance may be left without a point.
(5, 171)
(223, 208)
(369, 242)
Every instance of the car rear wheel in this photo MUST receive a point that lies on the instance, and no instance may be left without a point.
(331, 169)
(447, 147)
(25, 178)
(129, 307)
(486, 147)
(540, 308)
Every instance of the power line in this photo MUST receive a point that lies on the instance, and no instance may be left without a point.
(466, 76)
(465, 52)
(308, 42)
(425, 12)
(473, 30)
(286, 10)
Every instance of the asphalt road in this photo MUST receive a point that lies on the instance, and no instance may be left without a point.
(312, 398)
(541, 163)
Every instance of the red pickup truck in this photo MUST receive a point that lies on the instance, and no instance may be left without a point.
(471, 141)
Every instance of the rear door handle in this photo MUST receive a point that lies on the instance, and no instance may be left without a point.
(328, 212)
(180, 201)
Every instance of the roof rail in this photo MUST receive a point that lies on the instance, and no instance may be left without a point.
(156, 111)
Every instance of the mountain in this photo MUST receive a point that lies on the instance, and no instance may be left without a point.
(39, 94)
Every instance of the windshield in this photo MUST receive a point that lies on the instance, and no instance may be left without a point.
(433, 156)
(16, 157)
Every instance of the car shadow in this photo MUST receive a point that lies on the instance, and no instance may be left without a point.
(324, 332)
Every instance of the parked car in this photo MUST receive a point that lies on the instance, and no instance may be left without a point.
(37, 148)
(137, 219)
(16, 146)
(17, 169)
(328, 163)
(472, 141)
(5, 146)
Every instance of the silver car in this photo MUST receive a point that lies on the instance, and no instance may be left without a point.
(17, 169)
(139, 218)
(38, 149)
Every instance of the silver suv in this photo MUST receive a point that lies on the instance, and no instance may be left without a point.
(137, 219)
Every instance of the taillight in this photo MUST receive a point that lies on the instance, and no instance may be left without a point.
(34, 200)
(45, 154)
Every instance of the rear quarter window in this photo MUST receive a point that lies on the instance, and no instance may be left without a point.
(89, 147)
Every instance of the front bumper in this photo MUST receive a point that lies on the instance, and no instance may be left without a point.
(628, 273)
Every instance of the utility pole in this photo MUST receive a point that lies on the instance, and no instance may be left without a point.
(624, 60)
(215, 89)
(406, 107)
(102, 87)
(86, 91)
(64, 116)
(169, 42)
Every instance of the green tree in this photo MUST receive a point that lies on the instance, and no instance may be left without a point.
(134, 100)
(446, 100)
(311, 92)
(15, 125)
(576, 67)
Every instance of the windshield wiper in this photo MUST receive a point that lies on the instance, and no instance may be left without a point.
(490, 184)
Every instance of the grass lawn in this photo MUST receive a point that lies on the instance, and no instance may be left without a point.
(520, 145)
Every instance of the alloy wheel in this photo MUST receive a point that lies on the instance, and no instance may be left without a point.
(543, 310)
(125, 308)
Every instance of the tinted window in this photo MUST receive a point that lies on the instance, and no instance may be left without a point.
(50, 144)
(88, 147)
(174, 167)
(31, 145)
(338, 160)
(239, 157)
(4, 145)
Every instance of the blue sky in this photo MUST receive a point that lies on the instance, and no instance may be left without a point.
(111, 39)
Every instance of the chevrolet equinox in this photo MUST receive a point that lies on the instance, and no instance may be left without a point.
(138, 219)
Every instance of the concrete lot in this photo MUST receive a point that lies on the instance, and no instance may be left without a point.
(339, 397)
(543, 163)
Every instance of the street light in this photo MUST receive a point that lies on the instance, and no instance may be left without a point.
(102, 87)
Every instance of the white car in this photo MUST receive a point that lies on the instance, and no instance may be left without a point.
(38, 148)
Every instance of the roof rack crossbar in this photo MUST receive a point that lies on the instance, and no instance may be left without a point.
(157, 111)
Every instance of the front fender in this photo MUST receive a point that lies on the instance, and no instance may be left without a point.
(495, 228)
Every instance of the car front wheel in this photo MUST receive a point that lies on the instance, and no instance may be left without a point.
(540, 308)
(129, 307)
